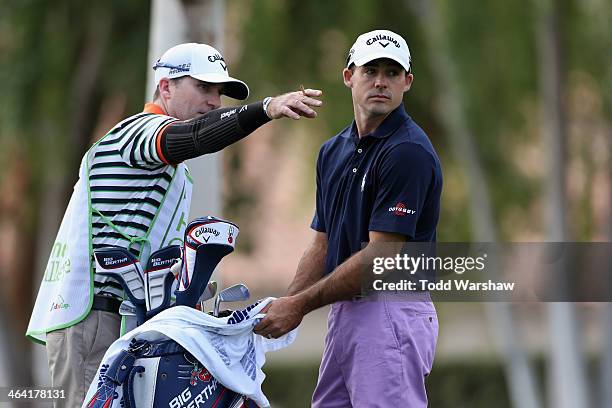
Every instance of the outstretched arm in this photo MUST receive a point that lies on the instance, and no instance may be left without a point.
(217, 129)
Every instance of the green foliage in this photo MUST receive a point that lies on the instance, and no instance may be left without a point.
(44, 47)
(494, 46)
(287, 43)
(40, 59)
(291, 43)
(589, 39)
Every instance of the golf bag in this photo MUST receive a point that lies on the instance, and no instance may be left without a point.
(156, 371)
(161, 374)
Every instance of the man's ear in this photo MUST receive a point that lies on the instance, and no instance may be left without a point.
(347, 74)
(408, 84)
(164, 88)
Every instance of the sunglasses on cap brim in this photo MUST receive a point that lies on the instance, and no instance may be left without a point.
(160, 64)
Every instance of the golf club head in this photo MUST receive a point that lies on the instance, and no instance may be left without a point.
(129, 315)
(233, 293)
(127, 308)
(209, 293)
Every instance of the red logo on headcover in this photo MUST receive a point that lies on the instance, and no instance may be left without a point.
(230, 238)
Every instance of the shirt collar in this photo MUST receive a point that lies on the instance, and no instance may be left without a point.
(385, 129)
(153, 108)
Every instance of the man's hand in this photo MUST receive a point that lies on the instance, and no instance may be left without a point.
(295, 104)
(282, 315)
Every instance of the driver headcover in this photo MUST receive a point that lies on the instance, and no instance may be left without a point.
(207, 241)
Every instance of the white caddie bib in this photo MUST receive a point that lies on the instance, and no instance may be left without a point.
(65, 296)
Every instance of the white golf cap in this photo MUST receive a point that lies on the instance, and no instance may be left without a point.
(379, 44)
(202, 62)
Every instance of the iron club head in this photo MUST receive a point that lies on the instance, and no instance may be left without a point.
(127, 308)
(209, 293)
(233, 293)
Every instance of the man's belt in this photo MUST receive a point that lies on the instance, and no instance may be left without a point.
(106, 304)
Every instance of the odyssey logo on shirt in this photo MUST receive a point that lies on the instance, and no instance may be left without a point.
(401, 210)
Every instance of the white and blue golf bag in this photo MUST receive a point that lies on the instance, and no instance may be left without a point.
(178, 356)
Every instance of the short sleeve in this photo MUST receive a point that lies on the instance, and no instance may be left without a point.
(138, 146)
(405, 176)
(318, 220)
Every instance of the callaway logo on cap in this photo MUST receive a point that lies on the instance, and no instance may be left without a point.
(379, 44)
(201, 62)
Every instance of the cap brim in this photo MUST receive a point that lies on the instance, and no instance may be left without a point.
(234, 88)
(364, 59)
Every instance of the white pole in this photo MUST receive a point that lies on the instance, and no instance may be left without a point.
(167, 28)
(174, 22)
(206, 24)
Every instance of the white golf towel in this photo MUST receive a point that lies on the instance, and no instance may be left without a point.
(227, 346)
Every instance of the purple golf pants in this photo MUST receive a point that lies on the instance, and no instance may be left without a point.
(377, 353)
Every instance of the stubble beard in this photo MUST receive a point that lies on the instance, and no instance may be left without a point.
(377, 109)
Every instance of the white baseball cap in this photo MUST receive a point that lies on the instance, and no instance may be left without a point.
(202, 62)
(379, 44)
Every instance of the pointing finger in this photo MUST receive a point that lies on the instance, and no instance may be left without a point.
(303, 109)
(311, 101)
(289, 113)
(313, 92)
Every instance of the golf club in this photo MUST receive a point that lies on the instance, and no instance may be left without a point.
(127, 308)
(209, 293)
(234, 293)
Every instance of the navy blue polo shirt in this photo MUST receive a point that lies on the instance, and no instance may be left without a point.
(389, 180)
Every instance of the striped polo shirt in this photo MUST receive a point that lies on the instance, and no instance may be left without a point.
(128, 178)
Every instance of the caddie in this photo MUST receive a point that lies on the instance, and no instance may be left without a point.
(134, 191)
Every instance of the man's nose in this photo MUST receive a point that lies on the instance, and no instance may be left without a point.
(381, 81)
(214, 100)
